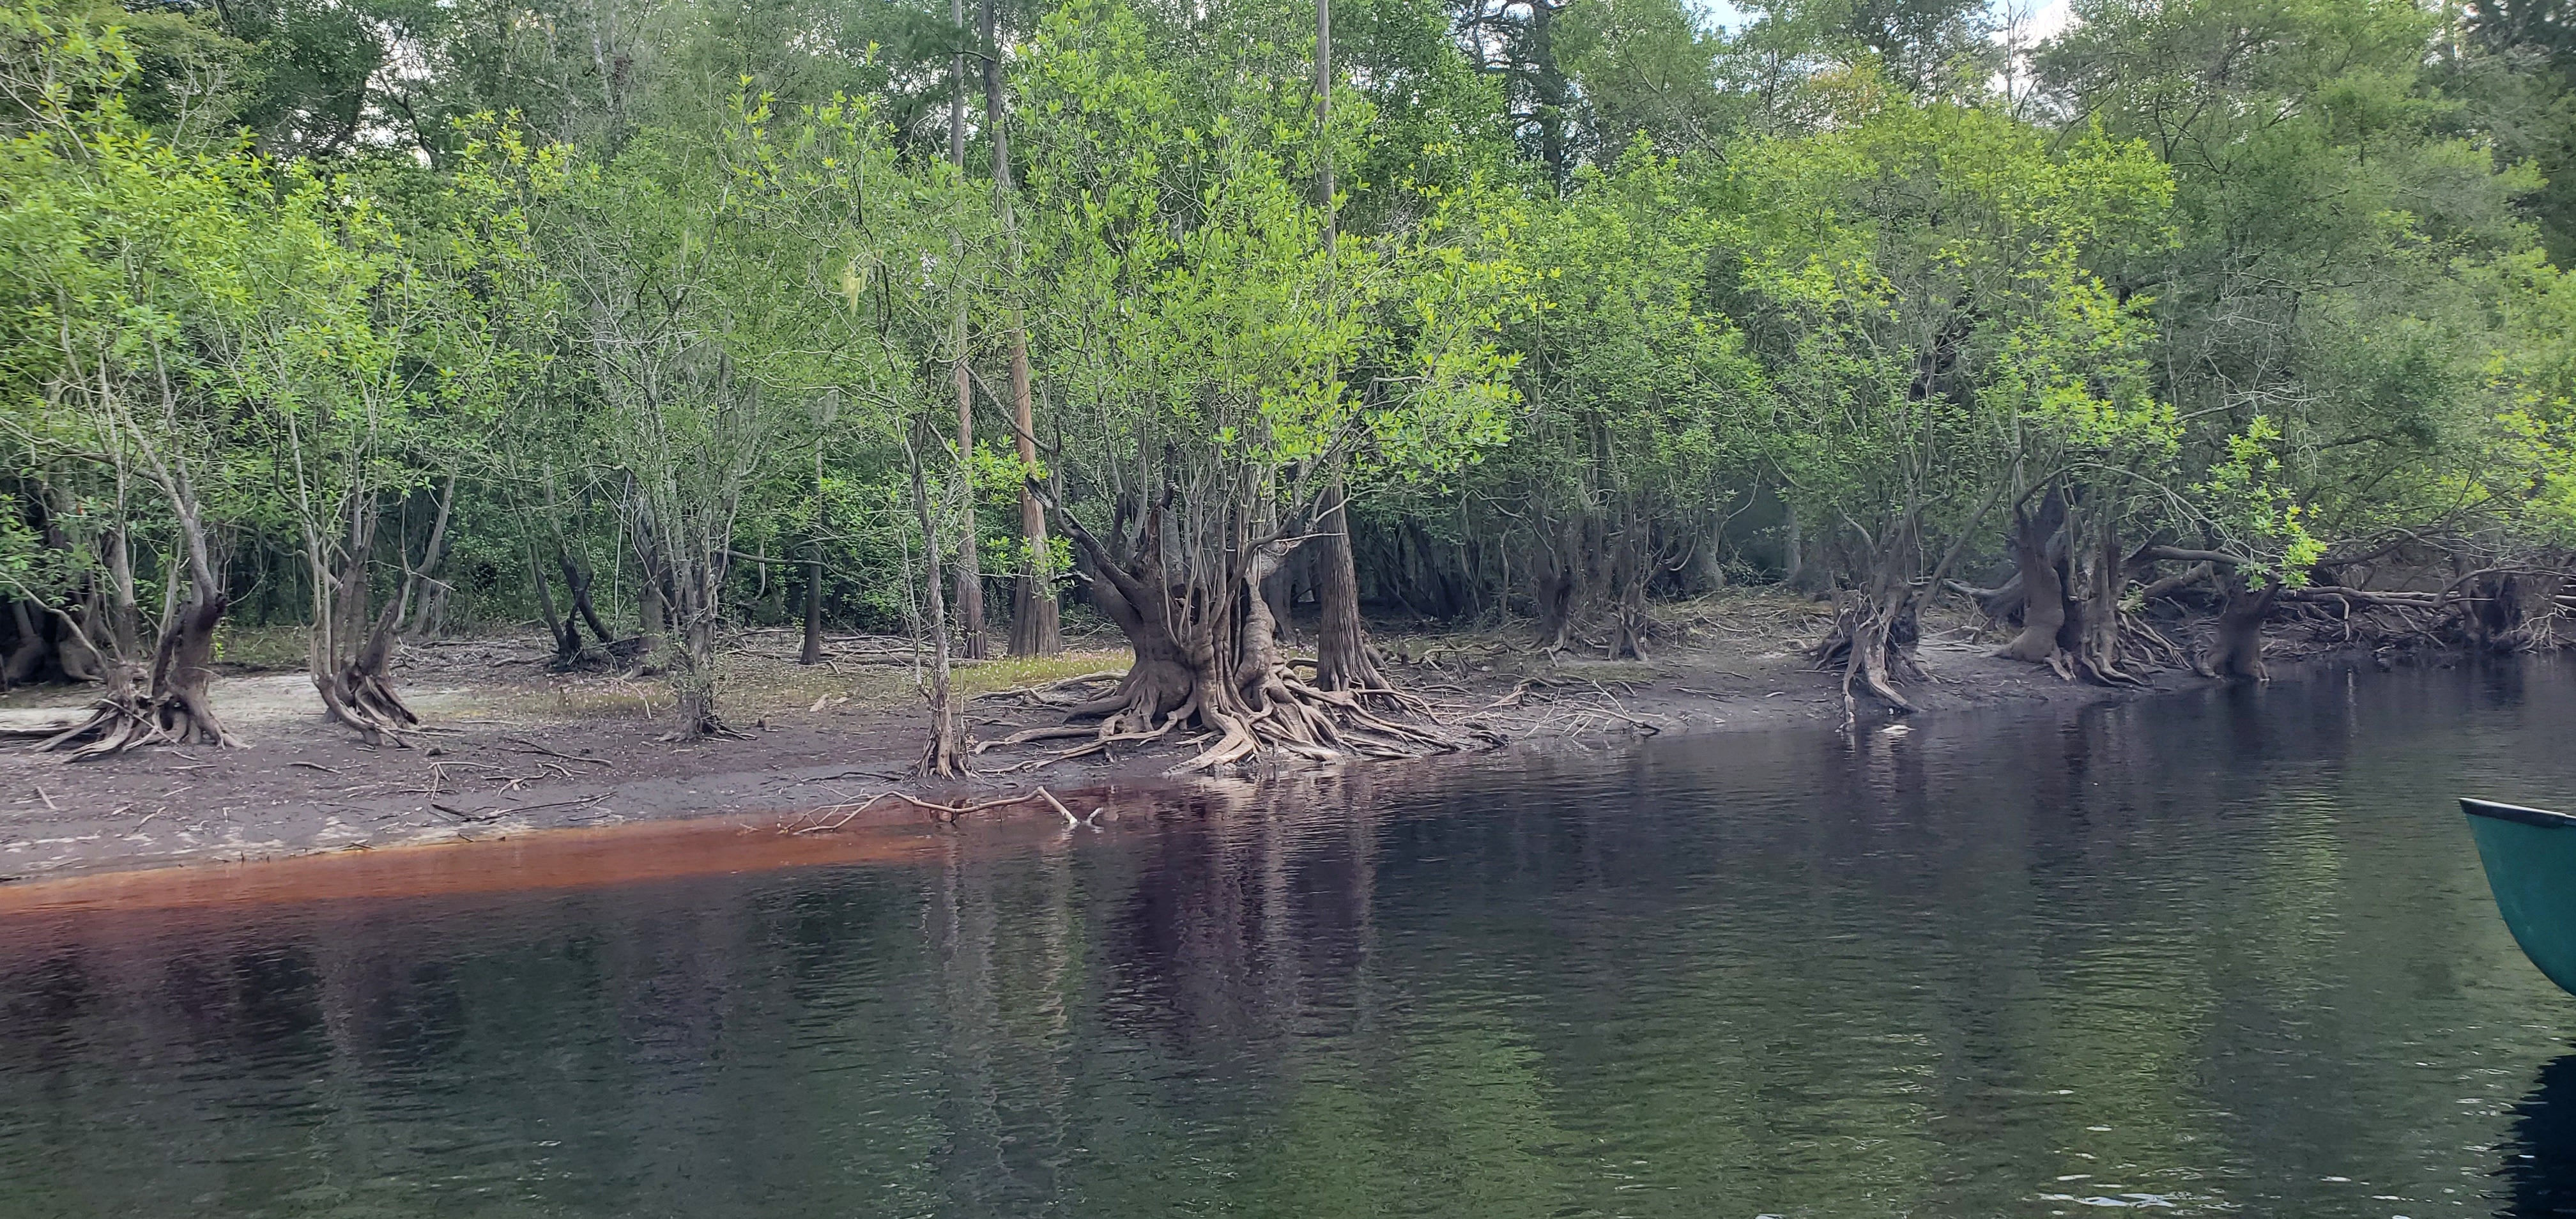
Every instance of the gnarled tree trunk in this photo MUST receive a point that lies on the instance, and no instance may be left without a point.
(359, 690)
(1207, 658)
(565, 629)
(2236, 645)
(1630, 568)
(1875, 631)
(1554, 585)
(350, 657)
(2513, 611)
(170, 704)
(1872, 642)
(28, 649)
(2070, 595)
(2042, 586)
(577, 586)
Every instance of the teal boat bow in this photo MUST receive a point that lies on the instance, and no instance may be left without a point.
(2530, 857)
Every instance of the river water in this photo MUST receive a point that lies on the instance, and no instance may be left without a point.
(2219, 952)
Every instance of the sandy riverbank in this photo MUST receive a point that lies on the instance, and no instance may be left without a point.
(516, 750)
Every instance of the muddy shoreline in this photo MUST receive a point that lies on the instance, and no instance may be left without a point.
(501, 763)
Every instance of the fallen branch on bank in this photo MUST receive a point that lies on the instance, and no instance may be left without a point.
(528, 746)
(1050, 693)
(42, 723)
(834, 817)
(2359, 596)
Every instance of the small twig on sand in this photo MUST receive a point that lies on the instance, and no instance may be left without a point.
(556, 753)
(582, 801)
(315, 766)
(1633, 721)
(49, 801)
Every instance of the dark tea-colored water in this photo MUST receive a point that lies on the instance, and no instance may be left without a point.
(2219, 952)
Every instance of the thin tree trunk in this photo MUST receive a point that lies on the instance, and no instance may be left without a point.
(1342, 660)
(970, 564)
(430, 557)
(946, 755)
(566, 631)
(1324, 124)
(1036, 625)
(577, 586)
(1630, 569)
(125, 617)
(812, 654)
(652, 609)
(102, 629)
(1796, 572)
(971, 631)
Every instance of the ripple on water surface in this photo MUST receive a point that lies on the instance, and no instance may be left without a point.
(2225, 952)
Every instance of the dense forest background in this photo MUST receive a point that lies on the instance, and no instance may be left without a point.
(651, 318)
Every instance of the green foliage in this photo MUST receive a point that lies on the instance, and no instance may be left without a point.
(2253, 508)
(1196, 316)
(1917, 282)
(2344, 242)
(1603, 295)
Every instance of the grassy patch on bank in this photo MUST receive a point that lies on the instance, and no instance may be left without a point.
(272, 647)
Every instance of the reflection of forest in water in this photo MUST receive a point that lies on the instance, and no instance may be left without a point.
(2212, 950)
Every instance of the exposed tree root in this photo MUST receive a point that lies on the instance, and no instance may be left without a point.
(1207, 659)
(2512, 610)
(1052, 694)
(364, 699)
(2068, 600)
(947, 754)
(124, 718)
(359, 692)
(699, 720)
(172, 708)
(1872, 642)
